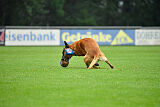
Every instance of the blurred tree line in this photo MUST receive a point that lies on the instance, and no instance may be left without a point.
(80, 12)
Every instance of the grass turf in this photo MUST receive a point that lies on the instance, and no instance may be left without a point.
(33, 77)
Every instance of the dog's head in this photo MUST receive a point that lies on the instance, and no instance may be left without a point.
(66, 55)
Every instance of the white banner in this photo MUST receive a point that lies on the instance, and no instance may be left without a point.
(32, 37)
(147, 37)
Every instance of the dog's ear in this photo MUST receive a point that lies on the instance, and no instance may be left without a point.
(66, 45)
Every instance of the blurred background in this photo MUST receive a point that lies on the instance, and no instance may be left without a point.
(80, 13)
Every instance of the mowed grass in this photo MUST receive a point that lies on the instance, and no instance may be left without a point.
(33, 77)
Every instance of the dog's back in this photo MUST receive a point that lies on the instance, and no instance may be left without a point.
(87, 45)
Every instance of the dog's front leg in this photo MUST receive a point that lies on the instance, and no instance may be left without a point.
(87, 60)
(93, 62)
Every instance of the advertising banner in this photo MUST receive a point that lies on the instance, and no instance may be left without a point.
(102, 37)
(32, 37)
(1, 36)
(147, 37)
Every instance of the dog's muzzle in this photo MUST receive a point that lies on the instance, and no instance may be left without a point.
(64, 59)
(64, 62)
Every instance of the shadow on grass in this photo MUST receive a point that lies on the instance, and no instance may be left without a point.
(78, 68)
(85, 68)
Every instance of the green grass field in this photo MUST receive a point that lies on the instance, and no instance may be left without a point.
(33, 77)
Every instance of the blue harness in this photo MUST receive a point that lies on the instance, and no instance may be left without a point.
(69, 51)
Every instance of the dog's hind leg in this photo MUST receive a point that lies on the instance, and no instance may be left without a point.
(103, 58)
(93, 62)
(109, 64)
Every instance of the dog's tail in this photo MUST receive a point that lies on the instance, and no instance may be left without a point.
(93, 62)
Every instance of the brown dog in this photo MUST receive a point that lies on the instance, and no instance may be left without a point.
(88, 48)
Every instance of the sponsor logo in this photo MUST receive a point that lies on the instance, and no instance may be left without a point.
(147, 37)
(32, 37)
(148, 34)
(99, 37)
(121, 38)
(102, 37)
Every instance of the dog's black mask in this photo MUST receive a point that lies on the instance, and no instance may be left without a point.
(64, 58)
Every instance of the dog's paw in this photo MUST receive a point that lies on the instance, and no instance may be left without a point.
(95, 67)
(96, 64)
(112, 66)
(88, 68)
